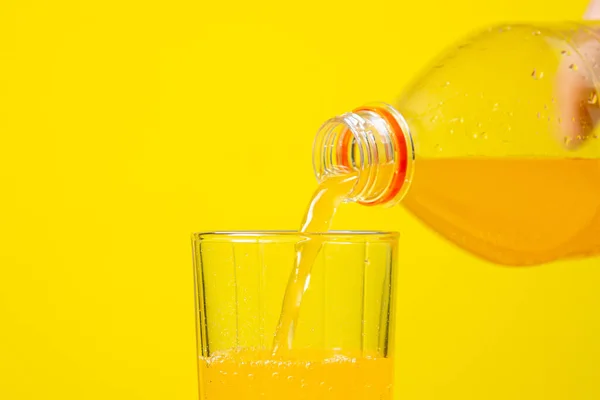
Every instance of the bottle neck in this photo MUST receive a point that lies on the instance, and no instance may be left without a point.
(373, 142)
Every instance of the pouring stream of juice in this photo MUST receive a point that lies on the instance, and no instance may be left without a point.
(323, 205)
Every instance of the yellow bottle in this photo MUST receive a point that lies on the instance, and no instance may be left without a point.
(493, 146)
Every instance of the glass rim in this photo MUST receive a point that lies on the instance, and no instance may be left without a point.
(278, 235)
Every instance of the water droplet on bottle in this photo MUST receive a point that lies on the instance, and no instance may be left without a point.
(483, 135)
(434, 118)
(537, 74)
(574, 67)
(461, 120)
(538, 115)
(565, 53)
(593, 99)
(479, 124)
(438, 147)
(251, 376)
(496, 107)
(452, 131)
(559, 120)
(536, 33)
(290, 378)
(567, 140)
(275, 375)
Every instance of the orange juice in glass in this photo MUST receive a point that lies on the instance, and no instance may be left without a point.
(342, 343)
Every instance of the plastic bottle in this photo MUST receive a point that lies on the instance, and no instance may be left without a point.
(493, 146)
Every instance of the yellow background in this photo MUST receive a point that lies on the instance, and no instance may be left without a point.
(124, 126)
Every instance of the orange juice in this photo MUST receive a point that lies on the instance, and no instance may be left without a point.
(511, 211)
(310, 375)
(321, 209)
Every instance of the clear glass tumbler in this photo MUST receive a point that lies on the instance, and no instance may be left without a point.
(343, 342)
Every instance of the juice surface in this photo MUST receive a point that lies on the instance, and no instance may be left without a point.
(511, 211)
(254, 374)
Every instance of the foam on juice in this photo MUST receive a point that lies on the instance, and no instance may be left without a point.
(251, 374)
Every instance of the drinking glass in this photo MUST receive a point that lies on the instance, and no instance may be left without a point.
(342, 346)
